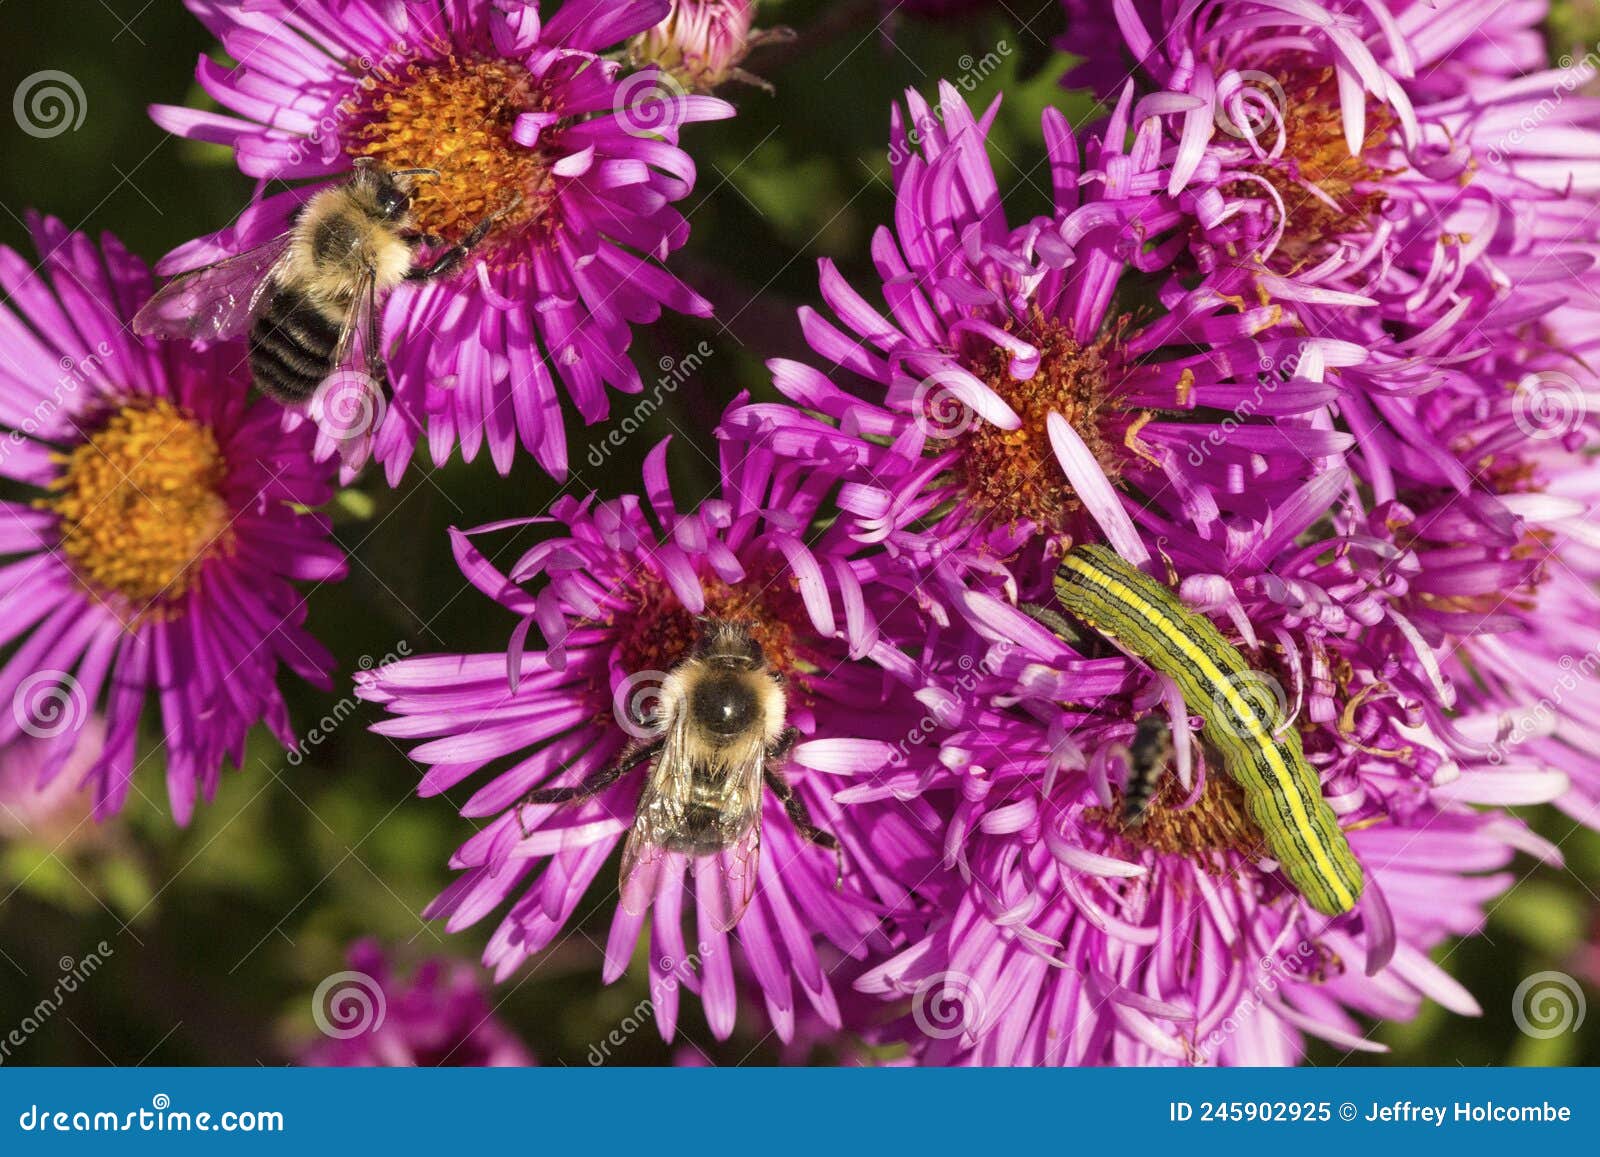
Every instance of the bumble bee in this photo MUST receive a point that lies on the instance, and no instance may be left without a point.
(1149, 754)
(719, 734)
(308, 296)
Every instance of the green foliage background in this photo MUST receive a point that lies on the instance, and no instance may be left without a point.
(220, 931)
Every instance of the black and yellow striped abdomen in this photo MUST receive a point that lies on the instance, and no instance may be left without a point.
(1244, 721)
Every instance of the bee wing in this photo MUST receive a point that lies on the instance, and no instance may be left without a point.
(642, 863)
(726, 882)
(215, 303)
(660, 813)
(358, 340)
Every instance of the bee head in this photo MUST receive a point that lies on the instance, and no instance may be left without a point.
(389, 190)
(729, 644)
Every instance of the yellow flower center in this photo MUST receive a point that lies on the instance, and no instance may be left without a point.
(457, 116)
(1014, 474)
(141, 503)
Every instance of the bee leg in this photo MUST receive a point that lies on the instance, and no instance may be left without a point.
(800, 815)
(451, 259)
(593, 786)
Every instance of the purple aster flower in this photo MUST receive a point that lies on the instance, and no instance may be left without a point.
(157, 567)
(1407, 175)
(1420, 184)
(1508, 569)
(1169, 957)
(616, 601)
(440, 1015)
(1391, 152)
(506, 104)
(1067, 936)
(1015, 394)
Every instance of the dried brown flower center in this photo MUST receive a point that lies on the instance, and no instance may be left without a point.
(1217, 824)
(141, 503)
(457, 116)
(1326, 192)
(1014, 474)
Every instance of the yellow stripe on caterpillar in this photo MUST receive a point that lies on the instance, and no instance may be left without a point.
(1244, 719)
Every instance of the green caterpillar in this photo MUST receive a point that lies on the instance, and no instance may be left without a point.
(1244, 721)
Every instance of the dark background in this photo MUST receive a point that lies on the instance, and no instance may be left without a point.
(221, 931)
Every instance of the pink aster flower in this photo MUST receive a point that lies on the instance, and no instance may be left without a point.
(1509, 566)
(615, 598)
(157, 568)
(1067, 936)
(1408, 175)
(1007, 400)
(1417, 180)
(507, 104)
(1165, 958)
(1405, 153)
(441, 1015)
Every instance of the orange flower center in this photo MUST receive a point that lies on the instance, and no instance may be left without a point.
(141, 503)
(457, 116)
(662, 633)
(1014, 474)
(1217, 824)
(1327, 193)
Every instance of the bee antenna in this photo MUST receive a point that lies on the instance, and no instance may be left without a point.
(415, 173)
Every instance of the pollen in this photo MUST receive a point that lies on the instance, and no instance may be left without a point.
(141, 503)
(1327, 193)
(457, 116)
(1013, 475)
(1217, 824)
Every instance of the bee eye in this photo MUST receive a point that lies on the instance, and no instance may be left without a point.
(392, 202)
